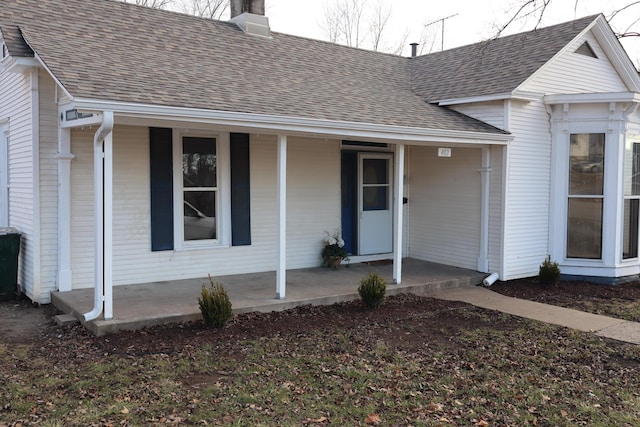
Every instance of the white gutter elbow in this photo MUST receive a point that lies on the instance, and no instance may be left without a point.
(98, 155)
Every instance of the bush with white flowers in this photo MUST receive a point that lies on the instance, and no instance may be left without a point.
(333, 247)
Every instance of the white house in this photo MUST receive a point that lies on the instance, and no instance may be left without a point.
(139, 145)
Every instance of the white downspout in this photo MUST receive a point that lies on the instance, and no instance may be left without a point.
(98, 169)
(281, 265)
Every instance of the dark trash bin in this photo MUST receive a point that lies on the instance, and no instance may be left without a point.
(9, 250)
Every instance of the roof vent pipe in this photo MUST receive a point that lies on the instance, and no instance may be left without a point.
(414, 50)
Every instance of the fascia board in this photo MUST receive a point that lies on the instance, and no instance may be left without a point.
(286, 124)
(18, 65)
(617, 55)
(517, 95)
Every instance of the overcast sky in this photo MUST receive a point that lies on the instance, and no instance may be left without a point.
(473, 20)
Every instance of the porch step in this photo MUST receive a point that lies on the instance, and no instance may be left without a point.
(66, 320)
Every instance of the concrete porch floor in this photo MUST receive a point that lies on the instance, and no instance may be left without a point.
(148, 304)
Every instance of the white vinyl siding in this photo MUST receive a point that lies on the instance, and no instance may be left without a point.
(445, 206)
(575, 73)
(313, 198)
(48, 187)
(528, 178)
(496, 213)
(313, 186)
(488, 112)
(16, 106)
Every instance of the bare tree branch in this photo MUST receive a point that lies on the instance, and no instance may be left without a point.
(527, 9)
(156, 4)
(379, 23)
(211, 9)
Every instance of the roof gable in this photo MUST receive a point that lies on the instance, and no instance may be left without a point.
(570, 71)
(492, 67)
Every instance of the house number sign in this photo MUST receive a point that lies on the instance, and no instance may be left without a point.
(444, 152)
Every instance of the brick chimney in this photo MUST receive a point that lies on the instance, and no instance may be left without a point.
(238, 7)
(248, 15)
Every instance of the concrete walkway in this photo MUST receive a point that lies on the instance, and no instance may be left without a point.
(617, 329)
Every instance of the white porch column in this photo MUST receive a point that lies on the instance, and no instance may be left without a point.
(281, 269)
(398, 216)
(64, 157)
(485, 174)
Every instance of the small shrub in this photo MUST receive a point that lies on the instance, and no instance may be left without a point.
(215, 304)
(372, 289)
(549, 272)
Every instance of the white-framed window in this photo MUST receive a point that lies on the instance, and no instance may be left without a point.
(586, 195)
(201, 189)
(631, 197)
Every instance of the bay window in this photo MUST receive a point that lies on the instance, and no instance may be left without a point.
(586, 196)
(631, 197)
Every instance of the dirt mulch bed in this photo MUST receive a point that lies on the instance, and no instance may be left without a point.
(621, 301)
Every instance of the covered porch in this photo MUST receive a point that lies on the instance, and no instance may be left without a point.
(148, 304)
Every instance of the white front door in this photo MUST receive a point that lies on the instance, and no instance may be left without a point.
(4, 178)
(375, 225)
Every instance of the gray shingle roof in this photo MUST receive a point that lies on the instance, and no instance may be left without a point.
(494, 66)
(14, 42)
(103, 49)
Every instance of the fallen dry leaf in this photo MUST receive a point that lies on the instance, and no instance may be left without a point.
(373, 419)
(434, 407)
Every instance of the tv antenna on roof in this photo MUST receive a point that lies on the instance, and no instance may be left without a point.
(441, 21)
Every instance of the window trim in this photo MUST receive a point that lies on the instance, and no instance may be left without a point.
(223, 196)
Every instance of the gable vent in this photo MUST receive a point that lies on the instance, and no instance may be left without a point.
(586, 50)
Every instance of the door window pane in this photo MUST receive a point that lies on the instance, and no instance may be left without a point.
(375, 171)
(586, 164)
(375, 198)
(584, 228)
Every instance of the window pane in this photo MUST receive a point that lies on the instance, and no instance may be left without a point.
(586, 164)
(375, 198)
(584, 229)
(199, 162)
(630, 237)
(374, 171)
(199, 215)
(632, 166)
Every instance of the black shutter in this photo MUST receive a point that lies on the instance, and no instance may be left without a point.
(240, 190)
(161, 189)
